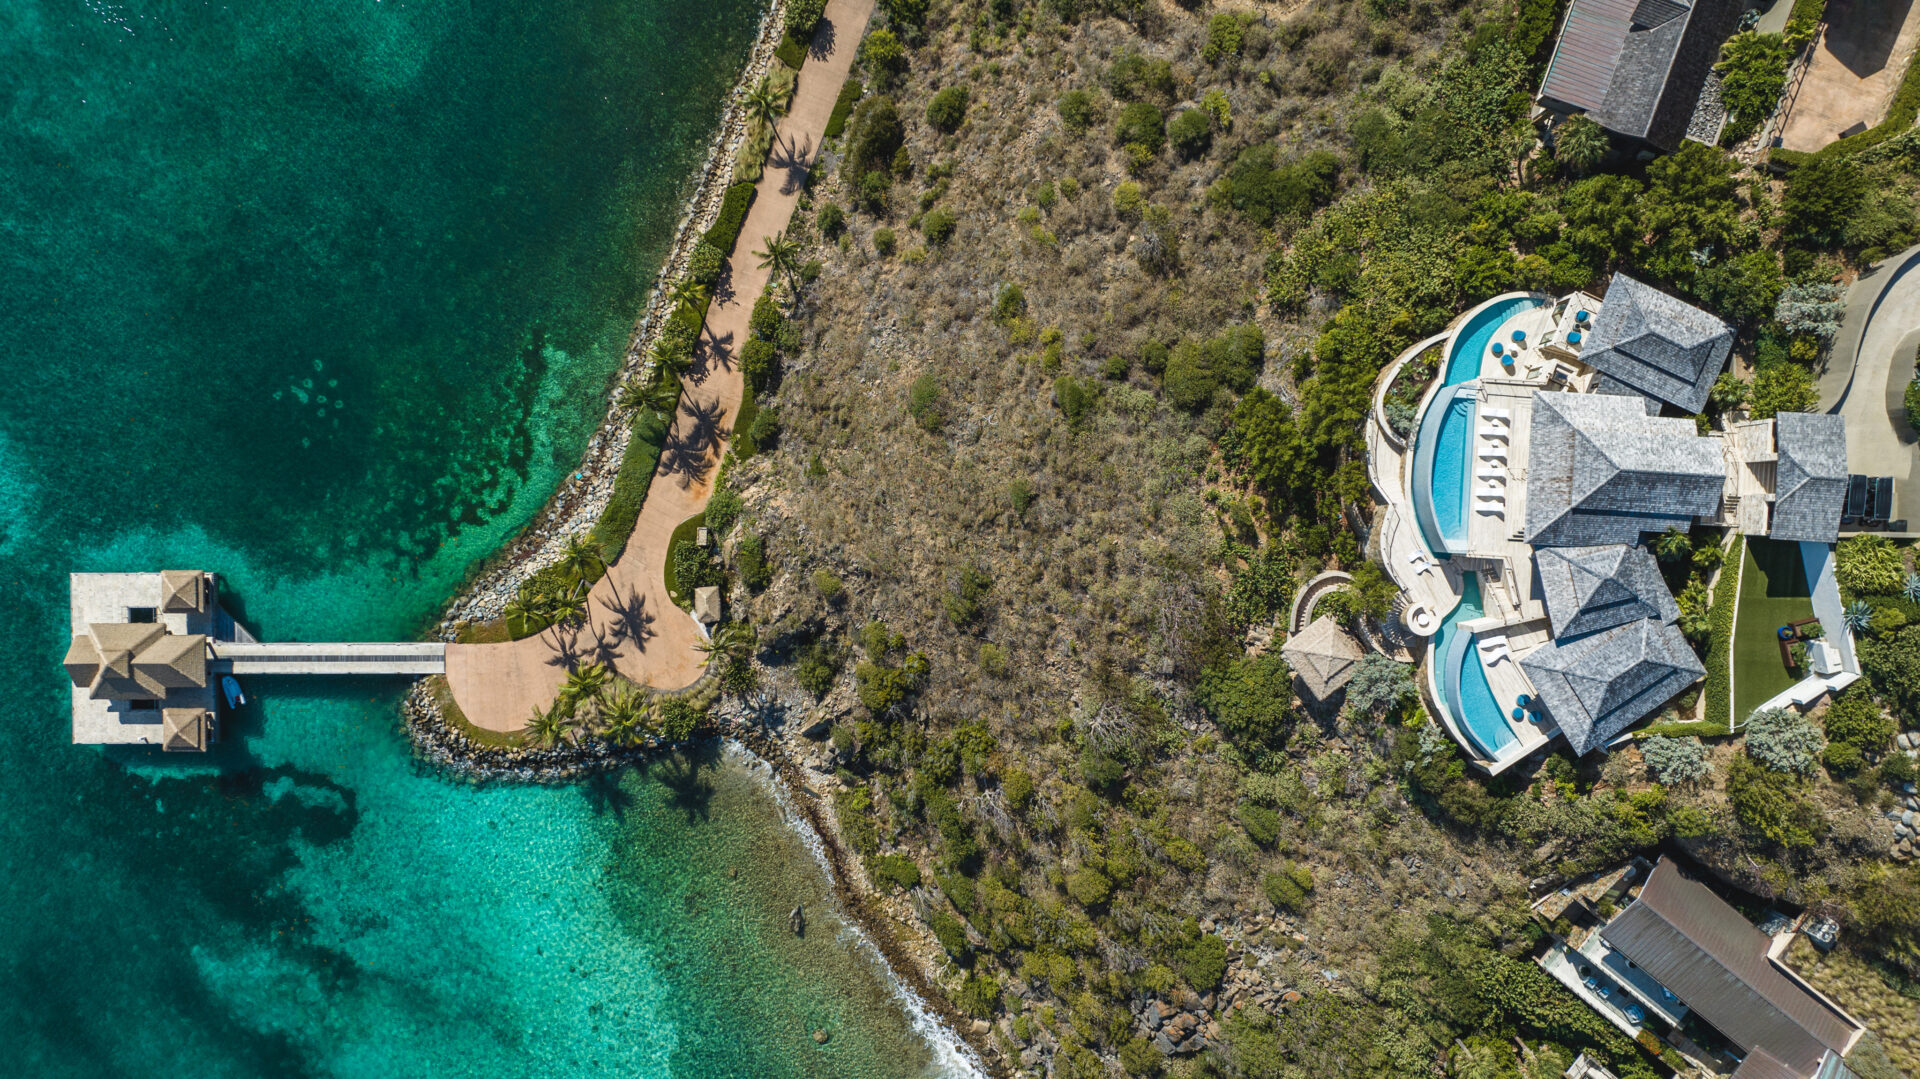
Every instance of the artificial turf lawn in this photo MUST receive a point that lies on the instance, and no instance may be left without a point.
(1773, 592)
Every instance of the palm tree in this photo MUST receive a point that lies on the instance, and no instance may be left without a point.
(584, 684)
(763, 101)
(1858, 616)
(620, 715)
(736, 640)
(781, 255)
(569, 604)
(583, 558)
(547, 727)
(1673, 546)
(522, 610)
(687, 292)
(1911, 589)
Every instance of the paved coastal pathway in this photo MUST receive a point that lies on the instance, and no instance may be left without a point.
(633, 624)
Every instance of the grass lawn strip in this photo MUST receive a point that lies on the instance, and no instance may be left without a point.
(1773, 592)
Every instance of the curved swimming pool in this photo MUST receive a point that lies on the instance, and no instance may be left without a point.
(1462, 687)
(1470, 344)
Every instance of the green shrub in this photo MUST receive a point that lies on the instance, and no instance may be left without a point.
(1893, 662)
(883, 241)
(1133, 77)
(884, 57)
(758, 360)
(1675, 762)
(1753, 72)
(1726, 593)
(937, 226)
(1128, 201)
(802, 17)
(1772, 804)
(827, 586)
(817, 667)
(1141, 124)
(1869, 566)
(1782, 386)
(1265, 191)
(1199, 958)
(1250, 699)
(792, 50)
(951, 935)
(897, 870)
(1783, 740)
(924, 403)
(850, 92)
(1017, 785)
(725, 230)
(1078, 109)
(705, 264)
(876, 137)
(648, 435)
(1009, 303)
(1089, 887)
(964, 603)
(832, 221)
(1912, 401)
(764, 431)
(979, 996)
(1262, 824)
(1225, 33)
(755, 572)
(1289, 888)
(948, 109)
(1190, 132)
(1076, 398)
(679, 719)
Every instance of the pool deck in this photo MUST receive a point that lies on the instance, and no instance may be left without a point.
(1495, 550)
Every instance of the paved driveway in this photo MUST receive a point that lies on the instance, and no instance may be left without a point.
(1867, 374)
(1857, 66)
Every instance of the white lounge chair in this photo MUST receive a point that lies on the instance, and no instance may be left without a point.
(1493, 452)
(1420, 562)
(1492, 432)
(1491, 509)
(1490, 491)
(1490, 474)
(1496, 414)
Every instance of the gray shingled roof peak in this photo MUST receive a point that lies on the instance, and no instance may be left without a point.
(1597, 685)
(1588, 589)
(1810, 477)
(1657, 345)
(1602, 471)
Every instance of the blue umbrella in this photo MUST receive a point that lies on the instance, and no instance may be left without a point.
(1580, 317)
(1573, 337)
(1518, 715)
(1519, 336)
(1523, 700)
(1498, 348)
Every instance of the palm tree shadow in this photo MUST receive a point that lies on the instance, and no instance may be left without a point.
(683, 774)
(714, 354)
(629, 617)
(687, 455)
(605, 795)
(565, 642)
(824, 35)
(794, 160)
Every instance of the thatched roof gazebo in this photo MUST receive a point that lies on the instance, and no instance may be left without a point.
(1323, 656)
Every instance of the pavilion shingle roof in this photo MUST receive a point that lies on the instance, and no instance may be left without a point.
(1637, 66)
(1656, 345)
(1689, 940)
(1810, 477)
(135, 660)
(1598, 685)
(1588, 589)
(1602, 471)
(1324, 656)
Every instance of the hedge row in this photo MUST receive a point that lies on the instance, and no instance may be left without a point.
(850, 92)
(792, 51)
(733, 215)
(631, 482)
(1726, 597)
(1900, 117)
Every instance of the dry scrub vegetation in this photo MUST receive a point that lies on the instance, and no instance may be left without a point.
(1022, 519)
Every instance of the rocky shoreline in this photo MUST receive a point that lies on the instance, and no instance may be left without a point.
(443, 746)
(578, 504)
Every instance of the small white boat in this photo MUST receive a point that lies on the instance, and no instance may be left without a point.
(231, 688)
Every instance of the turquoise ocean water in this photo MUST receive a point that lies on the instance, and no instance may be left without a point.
(324, 296)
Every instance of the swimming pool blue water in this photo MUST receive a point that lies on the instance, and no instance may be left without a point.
(1470, 344)
(1447, 483)
(1464, 690)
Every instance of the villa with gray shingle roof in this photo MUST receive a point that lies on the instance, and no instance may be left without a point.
(1647, 343)
(1588, 589)
(1637, 66)
(1810, 477)
(1598, 685)
(1519, 507)
(1601, 471)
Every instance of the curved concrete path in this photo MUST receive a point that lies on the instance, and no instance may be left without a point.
(1867, 373)
(632, 624)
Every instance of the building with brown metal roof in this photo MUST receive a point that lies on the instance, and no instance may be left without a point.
(1637, 66)
(1690, 941)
